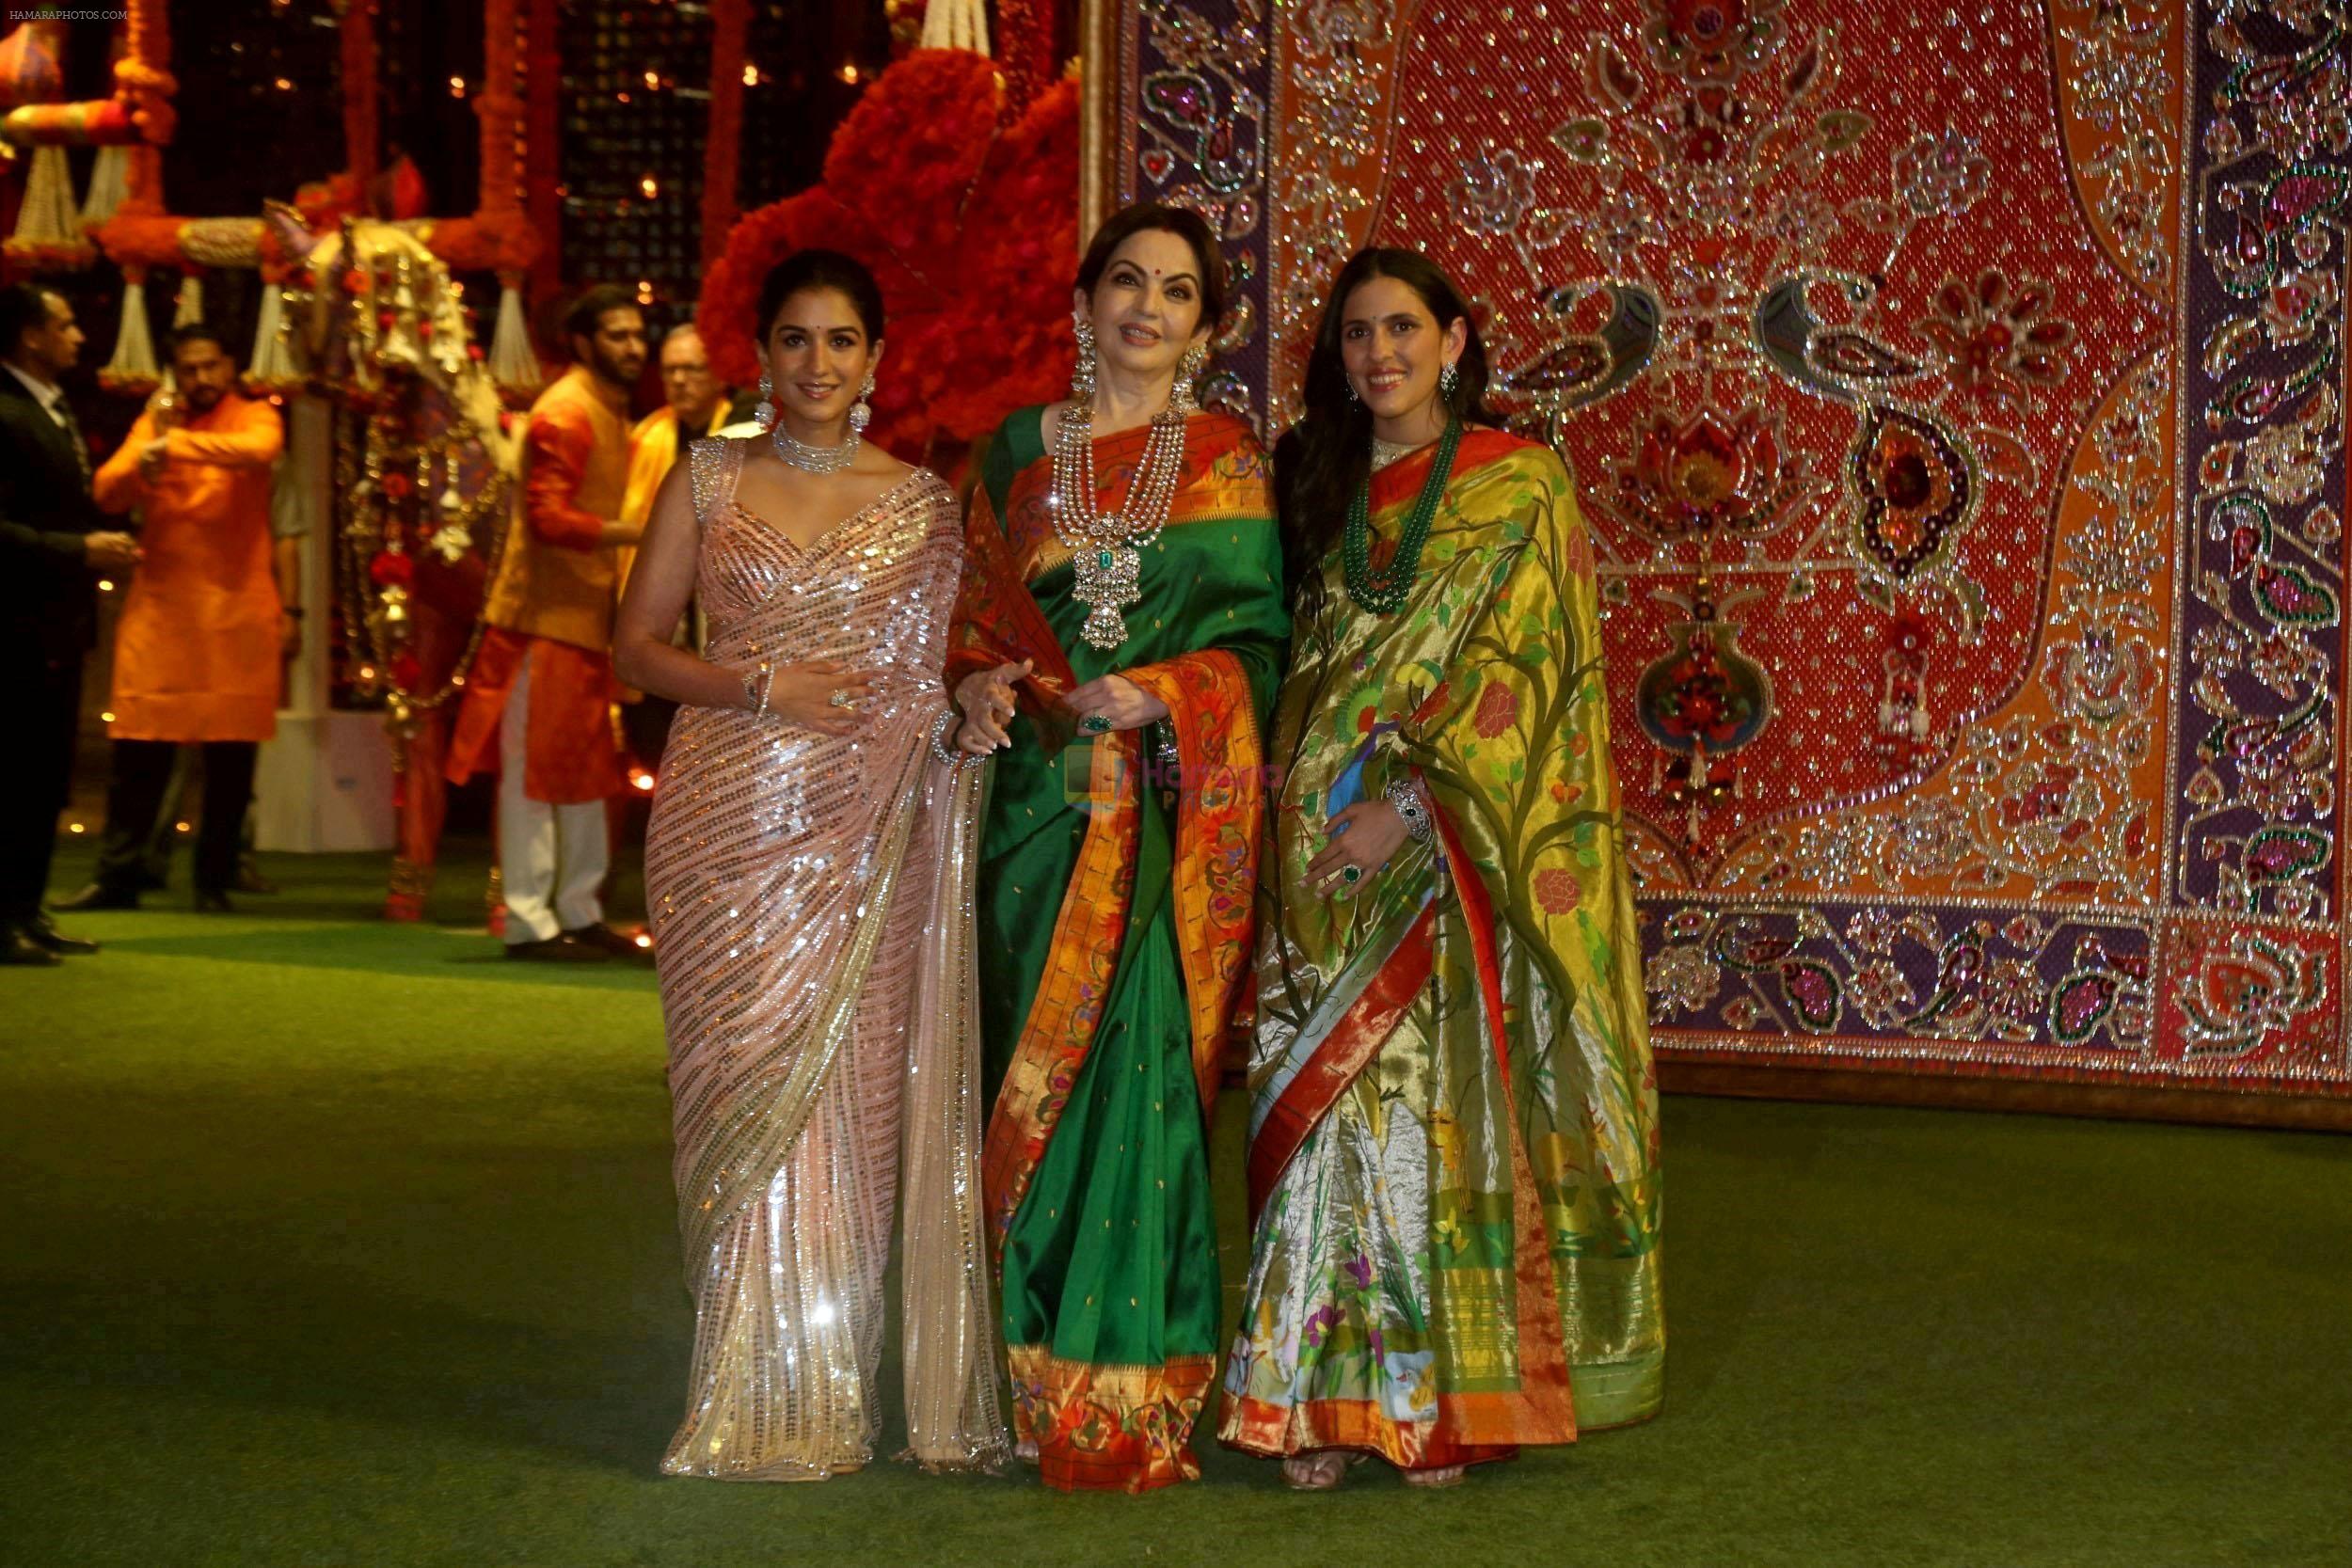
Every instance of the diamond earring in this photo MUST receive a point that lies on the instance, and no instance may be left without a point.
(860, 415)
(1082, 374)
(765, 413)
(1448, 379)
(1349, 382)
(1184, 394)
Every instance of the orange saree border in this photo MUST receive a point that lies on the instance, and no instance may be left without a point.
(1470, 1429)
(1110, 1428)
(1220, 821)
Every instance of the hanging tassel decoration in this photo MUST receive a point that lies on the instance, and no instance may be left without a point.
(188, 307)
(109, 182)
(513, 364)
(956, 24)
(48, 230)
(133, 369)
(273, 362)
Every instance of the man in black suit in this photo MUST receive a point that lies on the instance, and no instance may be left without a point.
(53, 541)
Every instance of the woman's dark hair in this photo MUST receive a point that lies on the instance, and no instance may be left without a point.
(820, 269)
(1320, 460)
(1144, 217)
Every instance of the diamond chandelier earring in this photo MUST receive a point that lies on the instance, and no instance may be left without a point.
(1448, 379)
(1184, 396)
(860, 414)
(764, 415)
(1082, 374)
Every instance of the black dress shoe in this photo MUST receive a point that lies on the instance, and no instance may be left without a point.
(562, 948)
(47, 935)
(618, 944)
(18, 947)
(98, 896)
(213, 902)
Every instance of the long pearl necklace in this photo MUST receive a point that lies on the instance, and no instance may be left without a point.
(1107, 547)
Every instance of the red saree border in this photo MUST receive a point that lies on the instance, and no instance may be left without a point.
(1354, 1041)
(997, 618)
(1402, 479)
(1110, 1428)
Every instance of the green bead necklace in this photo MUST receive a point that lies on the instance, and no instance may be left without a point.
(1385, 592)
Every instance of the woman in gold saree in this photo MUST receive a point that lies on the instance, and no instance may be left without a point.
(1453, 1134)
(805, 884)
(1119, 637)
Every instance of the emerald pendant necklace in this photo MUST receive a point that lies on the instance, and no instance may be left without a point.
(1384, 592)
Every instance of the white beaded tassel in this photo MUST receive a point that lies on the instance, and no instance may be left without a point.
(47, 218)
(513, 364)
(956, 24)
(272, 361)
(109, 184)
(188, 307)
(134, 343)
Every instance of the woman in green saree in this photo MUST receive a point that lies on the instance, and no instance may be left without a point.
(1454, 1139)
(1115, 648)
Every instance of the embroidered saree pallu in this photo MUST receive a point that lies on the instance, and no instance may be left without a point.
(1453, 1140)
(1116, 881)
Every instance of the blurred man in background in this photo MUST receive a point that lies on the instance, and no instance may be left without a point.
(54, 544)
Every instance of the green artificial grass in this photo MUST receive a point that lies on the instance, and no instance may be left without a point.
(325, 1241)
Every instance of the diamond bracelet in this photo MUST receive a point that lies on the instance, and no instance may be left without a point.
(1405, 796)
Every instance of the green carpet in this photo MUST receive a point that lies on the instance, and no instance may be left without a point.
(331, 1243)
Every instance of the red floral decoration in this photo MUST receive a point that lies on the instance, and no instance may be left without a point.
(1556, 892)
(1498, 709)
(970, 226)
(730, 38)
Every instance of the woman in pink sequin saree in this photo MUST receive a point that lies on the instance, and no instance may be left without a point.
(810, 909)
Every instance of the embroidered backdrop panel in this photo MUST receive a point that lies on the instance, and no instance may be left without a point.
(1956, 397)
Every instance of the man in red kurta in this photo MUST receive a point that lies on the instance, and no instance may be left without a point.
(196, 651)
(541, 688)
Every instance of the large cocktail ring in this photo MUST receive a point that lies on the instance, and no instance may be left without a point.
(838, 698)
(1094, 723)
(1351, 874)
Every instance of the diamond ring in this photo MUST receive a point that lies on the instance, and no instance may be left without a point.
(1094, 723)
(838, 698)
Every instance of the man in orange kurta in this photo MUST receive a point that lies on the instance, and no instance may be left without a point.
(198, 650)
(541, 689)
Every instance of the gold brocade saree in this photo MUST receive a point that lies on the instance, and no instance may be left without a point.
(1454, 1129)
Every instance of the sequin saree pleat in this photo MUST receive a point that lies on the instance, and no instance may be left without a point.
(792, 878)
